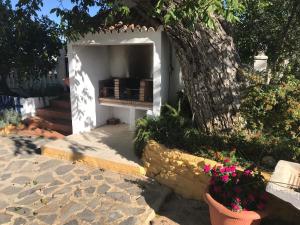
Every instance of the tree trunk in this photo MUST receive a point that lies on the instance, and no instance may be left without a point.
(209, 64)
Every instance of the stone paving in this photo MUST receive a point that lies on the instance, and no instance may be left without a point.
(38, 190)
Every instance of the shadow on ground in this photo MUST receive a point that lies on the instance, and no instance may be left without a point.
(27, 145)
(177, 210)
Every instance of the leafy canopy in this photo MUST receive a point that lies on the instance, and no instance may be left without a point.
(28, 44)
(190, 12)
(273, 26)
(78, 21)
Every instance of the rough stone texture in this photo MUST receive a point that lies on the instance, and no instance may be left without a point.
(38, 190)
(178, 170)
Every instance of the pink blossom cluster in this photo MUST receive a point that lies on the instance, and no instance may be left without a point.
(237, 190)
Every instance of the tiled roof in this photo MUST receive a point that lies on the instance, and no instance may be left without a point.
(121, 27)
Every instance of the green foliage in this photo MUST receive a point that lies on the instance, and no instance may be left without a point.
(77, 21)
(9, 116)
(190, 12)
(272, 115)
(272, 127)
(29, 44)
(170, 129)
(175, 129)
(273, 26)
(2, 124)
(274, 108)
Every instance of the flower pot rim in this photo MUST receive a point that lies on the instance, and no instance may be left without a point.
(254, 215)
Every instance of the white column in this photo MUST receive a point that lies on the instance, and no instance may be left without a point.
(260, 62)
(131, 119)
(157, 101)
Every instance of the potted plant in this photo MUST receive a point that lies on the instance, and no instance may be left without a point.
(235, 197)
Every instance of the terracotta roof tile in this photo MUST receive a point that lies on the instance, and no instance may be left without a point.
(120, 27)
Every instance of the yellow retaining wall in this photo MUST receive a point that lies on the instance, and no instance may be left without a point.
(182, 172)
(176, 169)
(7, 130)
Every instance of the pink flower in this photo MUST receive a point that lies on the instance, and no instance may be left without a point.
(247, 172)
(235, 207)
(223, 170)
(237, 200)
(232, 169)
(226, 160)
(225, 178)
(227, 169)
(233, 174)
(206, 168)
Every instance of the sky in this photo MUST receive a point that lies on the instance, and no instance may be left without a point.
(50, 4)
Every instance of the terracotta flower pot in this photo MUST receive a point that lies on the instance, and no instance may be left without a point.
(220, 215)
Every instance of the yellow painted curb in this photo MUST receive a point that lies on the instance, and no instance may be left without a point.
(94, 162)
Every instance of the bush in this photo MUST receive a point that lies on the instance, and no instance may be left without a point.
(170, 129)
(272, 115)
(274, 108)
(175, 130)
(2, 124)
(272, 127)
(9, 116)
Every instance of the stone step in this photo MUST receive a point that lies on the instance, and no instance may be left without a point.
(86, 148)
(60, 104)
(54, 113)
(62, 126)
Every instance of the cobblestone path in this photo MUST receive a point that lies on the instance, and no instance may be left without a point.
(38, 190)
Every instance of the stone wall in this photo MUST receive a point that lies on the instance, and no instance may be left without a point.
(178, 170)
(183, 173)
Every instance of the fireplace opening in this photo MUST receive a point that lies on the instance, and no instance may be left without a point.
(131, 72)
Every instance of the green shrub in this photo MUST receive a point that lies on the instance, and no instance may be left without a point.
(272, 115)
(272, 127)
(170, 129)
(2, 124)
(10, 116)
(274, 108)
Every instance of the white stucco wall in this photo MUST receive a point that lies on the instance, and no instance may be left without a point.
(118, 60)
(100, 56)
(86, 65)
(61, 67)
(30, 105)
(89, 62)
(165, 68)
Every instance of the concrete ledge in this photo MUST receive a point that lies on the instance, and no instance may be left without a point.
(59, 150)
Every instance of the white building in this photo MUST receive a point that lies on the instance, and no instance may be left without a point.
(129, 53)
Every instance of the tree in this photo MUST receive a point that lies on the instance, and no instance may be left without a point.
(197, 28)
(271, 25)
(29, 44)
